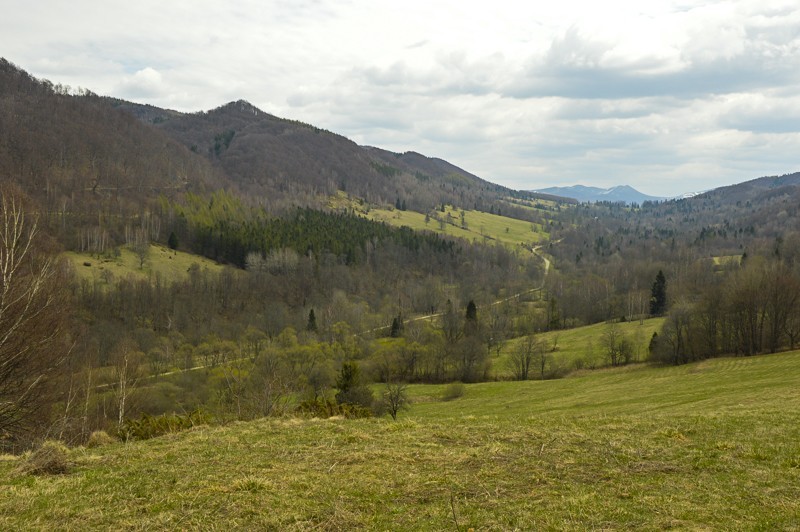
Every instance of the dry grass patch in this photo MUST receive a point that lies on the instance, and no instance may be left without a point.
(51, 458)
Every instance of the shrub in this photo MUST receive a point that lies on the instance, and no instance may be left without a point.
(51, 458)
(148, 426)
(99, 438)
(454, 390)
(324, 408)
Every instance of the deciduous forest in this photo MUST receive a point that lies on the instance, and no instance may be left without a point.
(312, 306)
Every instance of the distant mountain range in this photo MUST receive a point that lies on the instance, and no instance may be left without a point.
(618, 194)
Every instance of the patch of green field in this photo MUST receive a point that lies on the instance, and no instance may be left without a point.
(479, 226)
(171, 265)
(533, 204)
(582, 347)
(726, 260)
(713, 445)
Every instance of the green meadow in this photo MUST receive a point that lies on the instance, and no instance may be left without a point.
(707, 446)
(170, 265)
(478, 226)
(582, 347)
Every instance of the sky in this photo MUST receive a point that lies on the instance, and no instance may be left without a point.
(669, 97)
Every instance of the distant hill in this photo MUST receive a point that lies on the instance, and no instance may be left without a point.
(622, 193)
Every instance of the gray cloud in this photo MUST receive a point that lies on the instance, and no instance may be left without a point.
(680, 96)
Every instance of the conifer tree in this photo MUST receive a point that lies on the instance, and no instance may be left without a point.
(312, 321)
(658, 295)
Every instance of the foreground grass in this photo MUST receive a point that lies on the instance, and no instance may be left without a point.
(714, 445)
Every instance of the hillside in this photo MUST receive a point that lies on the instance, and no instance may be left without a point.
(284, 162)
(72, 152)
(712, 445)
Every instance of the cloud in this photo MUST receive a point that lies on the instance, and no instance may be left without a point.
(144, 84)
(679, 92)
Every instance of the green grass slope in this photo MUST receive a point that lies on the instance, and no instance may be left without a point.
(714, 445)
(171, 265)
(479, 226)
(582, 347)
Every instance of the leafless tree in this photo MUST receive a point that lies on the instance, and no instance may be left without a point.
(31, 318)
(523, 356)
(395, 398)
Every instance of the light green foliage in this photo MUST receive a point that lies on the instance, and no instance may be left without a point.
(710, 445)
(454, 390)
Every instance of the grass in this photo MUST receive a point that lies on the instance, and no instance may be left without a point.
(480, 226)
(169, 264)
(582, 347)
(714, 445)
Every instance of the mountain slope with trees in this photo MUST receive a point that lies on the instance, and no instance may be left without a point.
(310, 289)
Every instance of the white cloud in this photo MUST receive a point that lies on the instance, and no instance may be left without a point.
(667, 95)
(144, 84)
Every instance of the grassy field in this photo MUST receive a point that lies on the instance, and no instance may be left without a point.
(582, 347)
(713, 445)
(480, 226)
(170, 265)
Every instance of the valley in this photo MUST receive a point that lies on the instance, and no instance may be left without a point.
(205, 315)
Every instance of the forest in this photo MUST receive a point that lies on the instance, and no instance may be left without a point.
(316, 308)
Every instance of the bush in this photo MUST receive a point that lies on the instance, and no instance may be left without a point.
(324, 408)
(52, 458)
(148, 426)
(100, 438)
(454, 390)
(351, 388)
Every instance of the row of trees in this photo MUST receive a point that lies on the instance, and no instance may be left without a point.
(754, 309)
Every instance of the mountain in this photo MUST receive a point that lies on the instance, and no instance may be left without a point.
(286, 163)
(85, 162)
(622, 193)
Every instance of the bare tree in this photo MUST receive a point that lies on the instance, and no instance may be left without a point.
(31, 318)
(522, 357)
(617, 346)
(126, 376)
(395, 398)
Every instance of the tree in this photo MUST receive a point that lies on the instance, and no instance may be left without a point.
(32, 322)
(471, 326)
(396, 330)
(618, 348)
(395, 398)
(522, 357)
(312, 321)
(658, 295)
(351, 388)
(126, 359)
(172, 241)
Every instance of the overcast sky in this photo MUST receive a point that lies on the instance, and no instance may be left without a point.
(669, 97)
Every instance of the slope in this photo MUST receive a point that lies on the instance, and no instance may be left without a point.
(285, 163)
(711, 445)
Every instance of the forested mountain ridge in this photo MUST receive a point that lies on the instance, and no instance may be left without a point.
(288, 163)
